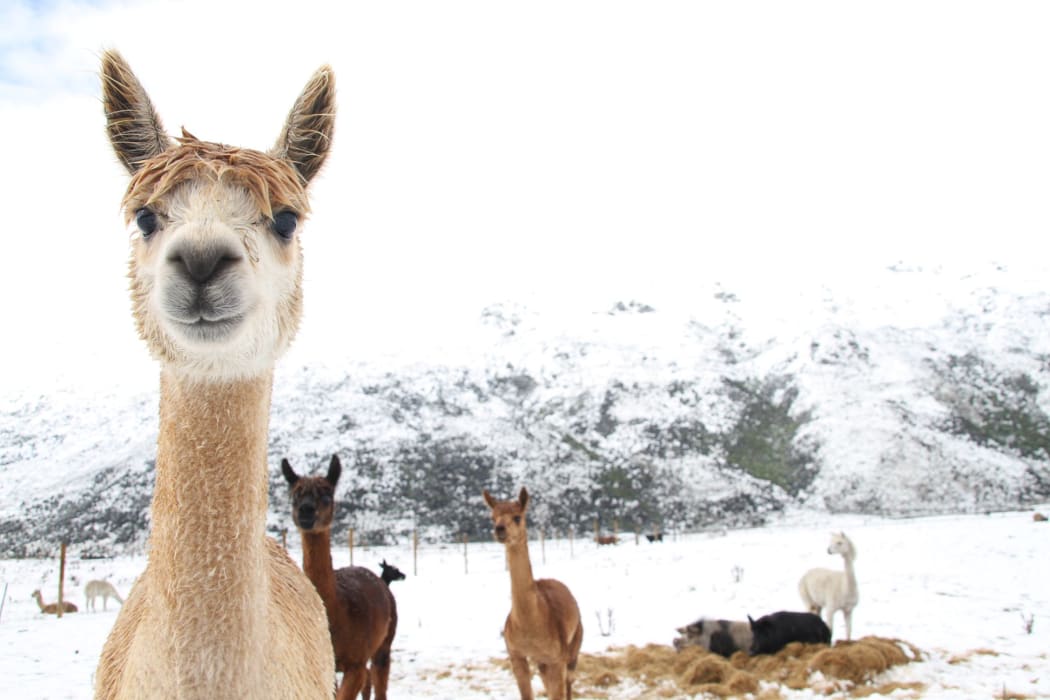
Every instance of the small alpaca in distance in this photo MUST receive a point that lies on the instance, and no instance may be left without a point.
(52, 608)
(544, 621)
(824, 589)
(658, 537)
(390, 573)
(772, 633)
(606, 539)
(99, 589)
(216, 270)
(362, 613)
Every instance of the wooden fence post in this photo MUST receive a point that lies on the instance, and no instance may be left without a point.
(415, 551)
(543, 547)
(351, 546)
(466, 570)
(61, 580)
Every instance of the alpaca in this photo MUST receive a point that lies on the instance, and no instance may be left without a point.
(390, 573)
(52, 608)
(606, 539)
(544, 621)
(362, 614)
(100, 589)
(221, 611)
(772, 633)
(833, 590)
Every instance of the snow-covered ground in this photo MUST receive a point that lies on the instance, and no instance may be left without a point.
(949, 585)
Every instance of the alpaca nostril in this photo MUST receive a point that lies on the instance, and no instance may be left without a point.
(203, 265)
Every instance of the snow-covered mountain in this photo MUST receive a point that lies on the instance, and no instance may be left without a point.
(933, 397)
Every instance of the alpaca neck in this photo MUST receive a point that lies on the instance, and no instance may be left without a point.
(523, 593)
(207, 544)
(317, 564)
(851, 577)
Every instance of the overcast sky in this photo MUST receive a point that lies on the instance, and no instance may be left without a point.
(561, 154)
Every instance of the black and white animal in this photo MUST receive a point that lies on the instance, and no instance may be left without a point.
(390, 573)
(773, 632)
(723, 637)
(658, 537)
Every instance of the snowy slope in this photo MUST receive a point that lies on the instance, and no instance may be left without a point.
(919, 392)
(960, 588)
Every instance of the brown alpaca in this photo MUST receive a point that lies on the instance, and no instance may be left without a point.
(544, 621)
(221, 611)
(362, 614)
(52, 608)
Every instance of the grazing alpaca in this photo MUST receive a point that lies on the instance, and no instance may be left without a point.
(833, 590)
(100, 589)
(772, 633)
(544, 620)
(390, 573)
(362, 614)
(52, 608)
(221, 611)
(606, 539)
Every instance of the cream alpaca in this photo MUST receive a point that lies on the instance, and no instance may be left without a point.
(220, 611)
(824, 589)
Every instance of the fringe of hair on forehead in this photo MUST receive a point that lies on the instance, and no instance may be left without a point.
(273, 183)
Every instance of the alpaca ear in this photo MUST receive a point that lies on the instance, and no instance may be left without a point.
(289, 474)
(488, 498)
(523, 498)
(751, 622)
(132, 124)
(307, 133)
(335, 468)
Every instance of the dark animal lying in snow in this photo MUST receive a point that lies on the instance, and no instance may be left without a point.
(658, 537)
(723, 637)
(772, 633)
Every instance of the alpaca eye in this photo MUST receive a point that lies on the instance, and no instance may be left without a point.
(146, 220)
(284, 223)
(517, 520)
(326, 500)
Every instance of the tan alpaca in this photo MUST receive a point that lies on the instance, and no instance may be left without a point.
(52, 608)
(221, 611)
(544, 621)
(99, 589)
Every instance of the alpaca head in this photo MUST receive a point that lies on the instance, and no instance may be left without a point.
(390, 573)
(840, 544)
(508, 517)
(216, 265)
(313, 497)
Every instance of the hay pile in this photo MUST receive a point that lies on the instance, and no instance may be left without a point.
(847, 666)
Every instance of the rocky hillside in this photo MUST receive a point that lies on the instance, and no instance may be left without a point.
(634, 416)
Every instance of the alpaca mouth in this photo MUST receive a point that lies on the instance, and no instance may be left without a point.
(209, 330)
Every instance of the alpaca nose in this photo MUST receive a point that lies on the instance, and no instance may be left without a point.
(501, 532)
(307, 515)
(203, 264)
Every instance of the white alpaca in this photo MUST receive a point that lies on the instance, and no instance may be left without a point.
(99, 589)
(833, 590)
